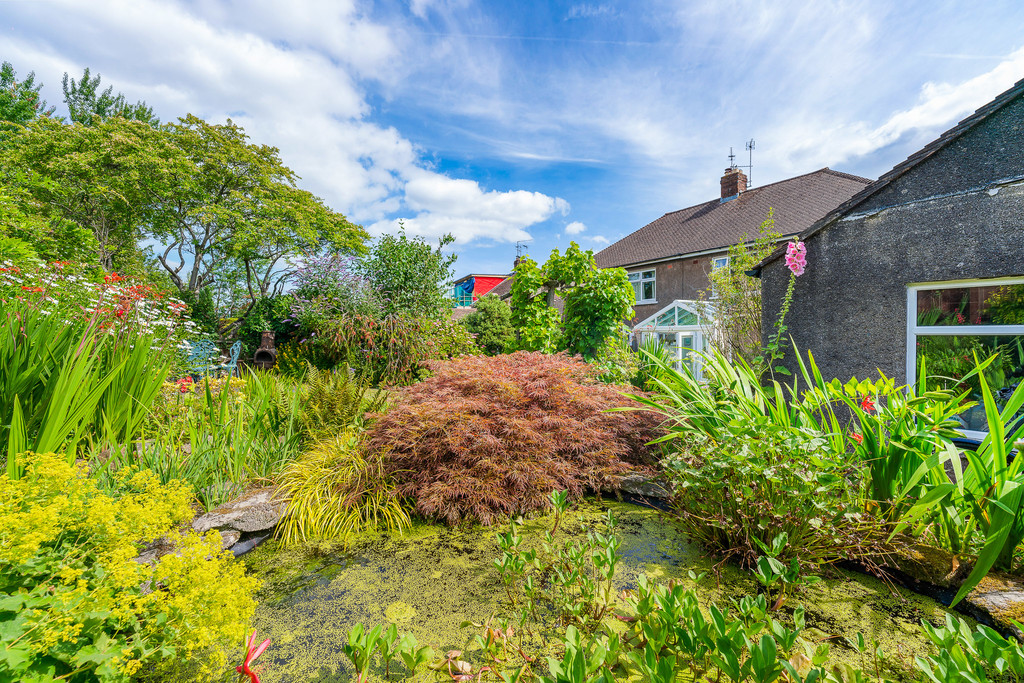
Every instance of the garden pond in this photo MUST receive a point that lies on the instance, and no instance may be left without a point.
(432, 579)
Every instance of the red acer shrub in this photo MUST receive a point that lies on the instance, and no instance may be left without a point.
(486, 437)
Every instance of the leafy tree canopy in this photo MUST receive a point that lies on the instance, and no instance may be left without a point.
(410, 276)
(86, 104)
(20, 101)
(596, 303)
(107, 179)
(234, 202)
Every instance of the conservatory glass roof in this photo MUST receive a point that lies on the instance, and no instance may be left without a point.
(680, 313)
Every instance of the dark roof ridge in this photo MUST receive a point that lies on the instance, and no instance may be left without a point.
(903, 167)
(824, 169)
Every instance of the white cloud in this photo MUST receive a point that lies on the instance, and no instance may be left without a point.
(600, 239)
(938, 107)
(464, 209)
(292, 76)
(575, 228)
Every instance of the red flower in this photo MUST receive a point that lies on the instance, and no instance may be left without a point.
(33, 289)
(867, 404)
(857, 437)
(251, 654)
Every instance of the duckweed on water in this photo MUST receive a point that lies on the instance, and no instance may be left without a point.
(434, 578)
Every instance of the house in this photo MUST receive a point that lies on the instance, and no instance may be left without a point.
(926, 263)
(668, 260)
(468, 288)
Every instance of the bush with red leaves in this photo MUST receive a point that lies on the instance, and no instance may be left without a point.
(488, 437)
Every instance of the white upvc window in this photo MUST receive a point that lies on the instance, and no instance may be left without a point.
(643, 282)
(948, 323)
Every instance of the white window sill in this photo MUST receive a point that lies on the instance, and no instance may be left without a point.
(646, 301)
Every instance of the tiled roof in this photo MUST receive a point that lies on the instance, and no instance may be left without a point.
(798, 202)
(503, 288)
(910, 162)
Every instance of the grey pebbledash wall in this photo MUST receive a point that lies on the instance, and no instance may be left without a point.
(957, 215)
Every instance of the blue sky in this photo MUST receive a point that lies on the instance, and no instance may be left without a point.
(506, 121)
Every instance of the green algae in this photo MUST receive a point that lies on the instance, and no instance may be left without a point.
(432, 579)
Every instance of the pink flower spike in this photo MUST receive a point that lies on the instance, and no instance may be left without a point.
(796, 257)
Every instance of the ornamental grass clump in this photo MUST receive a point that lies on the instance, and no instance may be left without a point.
(488, 437)
(75, 604)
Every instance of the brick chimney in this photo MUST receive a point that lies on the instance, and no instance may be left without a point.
(733, 182)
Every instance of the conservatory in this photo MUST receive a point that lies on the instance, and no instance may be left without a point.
(682, 327)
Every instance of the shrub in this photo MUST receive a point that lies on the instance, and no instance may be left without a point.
(597, 300)
(389, 350)
(410, 277)
(491, 322)
(328, 288)
(486, 437)
(75, 604)
(736, 494)
(615, 360)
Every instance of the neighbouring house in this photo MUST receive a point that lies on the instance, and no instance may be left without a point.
(468, 288)
(924, 264)
(668, 260)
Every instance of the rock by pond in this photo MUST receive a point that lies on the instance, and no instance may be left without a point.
(433, 578)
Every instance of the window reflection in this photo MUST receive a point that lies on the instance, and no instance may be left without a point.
(950, 358)
(983, 305)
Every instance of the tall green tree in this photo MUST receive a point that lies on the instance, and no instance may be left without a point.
(86, 103)
(411, 277)
(20, 101)
(232, 209)
(107, 179)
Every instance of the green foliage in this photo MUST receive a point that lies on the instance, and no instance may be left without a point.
(736, 297)
(615, 360)
(390, 350)
(20, 101)
(487, 437)
(61, 382)
(85, 106)
(219, 436)
(736, 494)
(980, 655)
(202, 310)
(268, 314)
(75, 605)
(104, 178)
(410, 277)
(236, 209)
(491, 322)
(596, 303)
(1006, 306)
(651, 360)
(333, 401)
(335, 492)
(538, 325)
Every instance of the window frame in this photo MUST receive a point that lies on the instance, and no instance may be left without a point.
(638, 284)
(914, 330)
